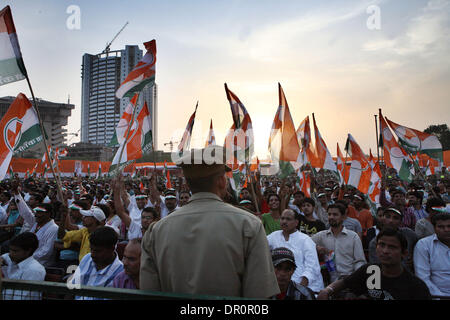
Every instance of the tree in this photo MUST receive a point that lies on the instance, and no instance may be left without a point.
(442, 132)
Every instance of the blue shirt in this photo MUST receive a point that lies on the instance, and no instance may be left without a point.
(432, 264)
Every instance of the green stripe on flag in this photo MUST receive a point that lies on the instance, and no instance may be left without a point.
(405, 171)
(29, 138)
(10, 71)
(130, 93)
(286, 169)
(114, 142)
(147, 144)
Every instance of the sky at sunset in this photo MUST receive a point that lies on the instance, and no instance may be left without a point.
(323, 53)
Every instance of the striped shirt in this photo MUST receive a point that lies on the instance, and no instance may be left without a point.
(87, 274)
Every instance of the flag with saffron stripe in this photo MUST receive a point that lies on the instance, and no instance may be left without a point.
(142, 74)
(11, 63)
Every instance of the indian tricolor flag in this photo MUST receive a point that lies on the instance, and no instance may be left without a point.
(283, 143)
(240, 139)
(186, 139)
(340, 164)
(142, 74)
(304, 182)
(11, 63)
(211, 140)
(323, 157)
(99, 171)
(416, 141)
(394, 156)
(375, 184)
(307, 153)
(121, 129)
(360, 170)
(138, 142)
(19, 130)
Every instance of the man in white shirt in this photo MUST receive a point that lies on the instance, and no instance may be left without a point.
(307, 272)
(432, 257)
(169, 205)
(19, 264)
(42, 225)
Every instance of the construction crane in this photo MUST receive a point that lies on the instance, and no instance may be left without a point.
(107, 49)
(171, 143)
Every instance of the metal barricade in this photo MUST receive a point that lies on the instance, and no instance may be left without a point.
(46, 290)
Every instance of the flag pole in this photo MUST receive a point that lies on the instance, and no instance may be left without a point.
(58, 182)
(378, 147)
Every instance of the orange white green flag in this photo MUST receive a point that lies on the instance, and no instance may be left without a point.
(211, 140)
(304, 182)
(142, 74)
(415, 141)
(375, 183)
(360, 171)
(168, 182)
(11, 63)
(283, 144)
(120, 132)
(323, 157)
(394, 156)
(134, 147)
(186, 139)
(19, 130)
(239, 141)
(307, 154)
(340, 165)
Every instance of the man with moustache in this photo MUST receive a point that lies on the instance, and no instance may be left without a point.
(307, 272)
(129, 277)
(345, 244)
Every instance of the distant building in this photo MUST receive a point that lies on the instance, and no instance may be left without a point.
(101, 76)
(89, 151)
(54, 117)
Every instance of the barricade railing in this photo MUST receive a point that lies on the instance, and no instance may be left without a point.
(46, 290)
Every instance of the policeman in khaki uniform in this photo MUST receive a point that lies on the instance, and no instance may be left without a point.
(208, 246)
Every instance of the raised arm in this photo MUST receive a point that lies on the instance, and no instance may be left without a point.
(118, 188)
(24, 211)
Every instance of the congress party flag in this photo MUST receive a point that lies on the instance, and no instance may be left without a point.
(240, 139)
(211, 140)
(138, 142)
(122, 126)
(360, 170)
(323, 157)
(142, 74)
(19, 130)
(11, 63)
(416, 141)
(283, 144)
(186, 139)
(307, 153)
(394, 156)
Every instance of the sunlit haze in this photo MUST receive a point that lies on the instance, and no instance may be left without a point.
(326, 57)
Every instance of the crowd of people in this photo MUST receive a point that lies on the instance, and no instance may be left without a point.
(269, 240)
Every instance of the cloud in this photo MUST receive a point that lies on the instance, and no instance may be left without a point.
(426, 35)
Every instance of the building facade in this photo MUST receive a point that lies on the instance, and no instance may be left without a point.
(101, 76)
(54, 117)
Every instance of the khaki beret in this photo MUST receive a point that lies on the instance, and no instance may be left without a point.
(201, 163)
